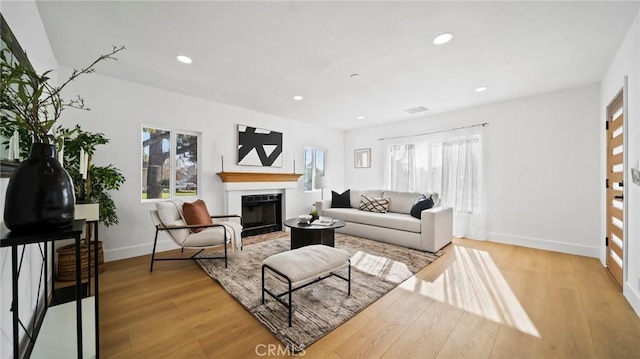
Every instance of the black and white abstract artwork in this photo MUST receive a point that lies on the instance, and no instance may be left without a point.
(259, 147)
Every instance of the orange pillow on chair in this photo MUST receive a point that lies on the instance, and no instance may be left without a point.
(196, 213)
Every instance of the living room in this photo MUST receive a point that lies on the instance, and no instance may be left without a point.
(543, 153)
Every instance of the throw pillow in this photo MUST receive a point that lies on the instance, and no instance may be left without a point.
(196, 213)
(372, 204)
(342, 200)
(423, 202)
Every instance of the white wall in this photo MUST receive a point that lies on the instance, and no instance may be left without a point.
(119, 108)
(26, 25)
(625, 63)
(540, 161)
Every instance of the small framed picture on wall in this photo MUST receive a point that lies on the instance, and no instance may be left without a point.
(362, 158)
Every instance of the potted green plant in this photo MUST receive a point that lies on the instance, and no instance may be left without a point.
(94, 189)
(99, 179)
(40, 194)
(314, 215)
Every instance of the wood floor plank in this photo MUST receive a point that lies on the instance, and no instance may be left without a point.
(466, 341)
(114, 342)
(609, 315)
(566, 331)
(374, 338)
(480, 299)
(252, 344)
(560, 270)
(326, 345)
(526, 302)
(427, 334)
(332, 356)
(513, 343)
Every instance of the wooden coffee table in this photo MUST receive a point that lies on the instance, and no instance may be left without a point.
(303, 234)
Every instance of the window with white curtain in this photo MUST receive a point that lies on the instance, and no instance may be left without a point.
(448, 163)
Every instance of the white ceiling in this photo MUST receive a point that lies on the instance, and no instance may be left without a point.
(258, 55)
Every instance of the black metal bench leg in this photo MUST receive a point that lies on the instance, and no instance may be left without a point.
(349, 281)
(290, 290)
(290, 304)
(262, 284)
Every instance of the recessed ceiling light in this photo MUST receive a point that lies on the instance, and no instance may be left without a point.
(360, 117)
(442, 38)
(481, 89)
(184, 59)
(298, 98)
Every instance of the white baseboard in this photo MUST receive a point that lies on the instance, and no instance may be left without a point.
(545, 244)
(136, 251)
(633, 297)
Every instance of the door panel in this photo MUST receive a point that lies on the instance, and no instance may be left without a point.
(615, 188)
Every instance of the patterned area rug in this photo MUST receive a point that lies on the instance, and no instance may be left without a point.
(376, 268)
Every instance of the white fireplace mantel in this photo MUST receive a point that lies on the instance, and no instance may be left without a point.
(235, 190)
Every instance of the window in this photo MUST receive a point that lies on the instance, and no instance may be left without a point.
(169, 163)
(448, 163)
(314, 166)
(448, 166)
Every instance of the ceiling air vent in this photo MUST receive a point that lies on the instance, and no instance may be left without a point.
(416, 109)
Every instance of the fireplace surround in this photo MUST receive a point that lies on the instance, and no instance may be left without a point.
(237, 185)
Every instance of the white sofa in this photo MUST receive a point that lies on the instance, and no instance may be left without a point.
(430, 233)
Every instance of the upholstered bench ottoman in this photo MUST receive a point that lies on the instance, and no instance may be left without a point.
(304, 266)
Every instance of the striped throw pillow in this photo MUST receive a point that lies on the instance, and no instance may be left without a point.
(372, 204)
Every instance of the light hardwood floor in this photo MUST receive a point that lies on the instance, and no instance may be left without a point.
(480, 299)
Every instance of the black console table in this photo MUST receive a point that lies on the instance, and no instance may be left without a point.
(32, 331)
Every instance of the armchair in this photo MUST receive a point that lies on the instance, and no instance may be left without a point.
(168, 216)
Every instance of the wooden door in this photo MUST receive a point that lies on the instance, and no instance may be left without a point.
(615, 187)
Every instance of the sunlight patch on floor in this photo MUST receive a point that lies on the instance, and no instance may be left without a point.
(382, 267)
(474, 283)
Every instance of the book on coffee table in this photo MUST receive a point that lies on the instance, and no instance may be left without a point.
(324, 221)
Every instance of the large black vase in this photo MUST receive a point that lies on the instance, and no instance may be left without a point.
(40, 195)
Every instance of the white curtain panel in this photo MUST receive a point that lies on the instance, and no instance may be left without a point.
(449, 163)
(461, 180)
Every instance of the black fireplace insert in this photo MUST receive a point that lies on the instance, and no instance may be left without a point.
(261, 213)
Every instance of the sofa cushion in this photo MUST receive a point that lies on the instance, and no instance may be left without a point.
(355, 196)
(401, 202)
(402, 222)
(196, 213)
(372, 204)
(423, 202)
(206, 237)
(170, 214)
(340, 200)
(305, 263)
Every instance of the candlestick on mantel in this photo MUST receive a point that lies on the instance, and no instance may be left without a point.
(81, 166)
(294, 166)
(61, 155)
(14, 146)
(222, 161)
(84, 164)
